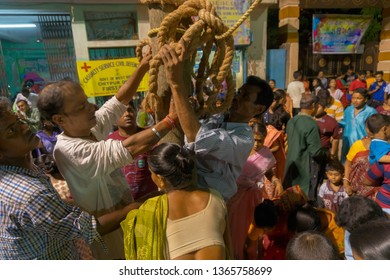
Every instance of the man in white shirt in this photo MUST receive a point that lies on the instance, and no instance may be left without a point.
(295, 90)
(89, 163)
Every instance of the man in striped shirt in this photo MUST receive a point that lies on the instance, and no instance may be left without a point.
(334, 107)
(380, 172)
(34, 222)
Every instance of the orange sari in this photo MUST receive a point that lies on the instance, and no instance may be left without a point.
(276, 136)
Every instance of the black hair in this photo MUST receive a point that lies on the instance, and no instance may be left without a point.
(272, 80)
(259, 128)
(379, 73)
(323, 94)
(319, 82)
(324, 102)
(279, 94)
(362, 72)
(311, 245)
(172, 162)
(304, 218)
(296, 74)
(51, 98)
(25, 90)
(308, 100)
(335, 165)
(376, 122)
(362, 91)
(265, 95)
(265, 214)
(357, 210)
(371, 240)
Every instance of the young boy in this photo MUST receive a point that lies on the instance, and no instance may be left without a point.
(332, 192)
(378, 125)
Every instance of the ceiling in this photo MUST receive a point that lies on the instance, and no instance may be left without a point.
(19, 35)
(23, 35)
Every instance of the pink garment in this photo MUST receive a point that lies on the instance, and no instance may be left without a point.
(242, 205)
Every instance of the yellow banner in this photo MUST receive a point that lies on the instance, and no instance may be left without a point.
(105, 77)
(230, 12)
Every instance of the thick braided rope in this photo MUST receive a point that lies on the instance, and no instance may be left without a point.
(200, 33)
(141, 44)
(239, 22)
(211, 101)
(201, 76)
(153, 32)
(163, 2)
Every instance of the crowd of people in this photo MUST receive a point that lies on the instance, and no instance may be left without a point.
(298, 173)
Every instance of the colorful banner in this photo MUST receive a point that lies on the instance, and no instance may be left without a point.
(230, 12)
(338, 34)
(105, 77)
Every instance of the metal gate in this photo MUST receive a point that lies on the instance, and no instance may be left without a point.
(3, 76)
(58, 41)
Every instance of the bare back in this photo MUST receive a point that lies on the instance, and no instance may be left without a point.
(183, 204)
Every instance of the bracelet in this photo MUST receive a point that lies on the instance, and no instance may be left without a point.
(170, 121)
(156, 132)
(346, 179)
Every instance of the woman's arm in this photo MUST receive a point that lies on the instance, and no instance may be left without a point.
(275, 147)
(346, 180)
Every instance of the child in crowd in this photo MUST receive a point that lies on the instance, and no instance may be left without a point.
(311, 245)
(353, 212)
(265, 218)
(308, 218)
(371, 241)
(332, 192)
(379, 125)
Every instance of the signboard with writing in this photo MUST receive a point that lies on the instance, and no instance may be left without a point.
(230, 12)
(111, 25)
(105, 77)
(338, 34)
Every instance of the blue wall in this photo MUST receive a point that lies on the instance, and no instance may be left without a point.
(276, 67)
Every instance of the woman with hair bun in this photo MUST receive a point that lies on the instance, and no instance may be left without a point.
(185, 223)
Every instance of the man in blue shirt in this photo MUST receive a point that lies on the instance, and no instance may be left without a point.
(222, 143)
(377, 90)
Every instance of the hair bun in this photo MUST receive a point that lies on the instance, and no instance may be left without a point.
(184, 161)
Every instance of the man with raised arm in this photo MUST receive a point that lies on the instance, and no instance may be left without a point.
(221, 143)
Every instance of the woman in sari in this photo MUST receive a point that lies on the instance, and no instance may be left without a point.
(249, 194)
(356, 166)
(185, 223)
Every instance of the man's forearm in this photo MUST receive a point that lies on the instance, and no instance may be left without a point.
(111, 221)
(335, 148)
(188, 120)
(129, 88)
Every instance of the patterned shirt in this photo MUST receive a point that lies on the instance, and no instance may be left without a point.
(331, 199)
(221, 150)
(381, 171)
(34, 222)
(335, 110)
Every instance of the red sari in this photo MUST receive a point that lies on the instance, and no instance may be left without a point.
(359, 167)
